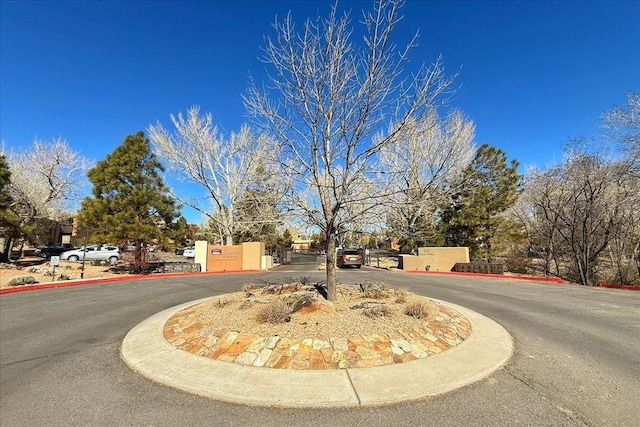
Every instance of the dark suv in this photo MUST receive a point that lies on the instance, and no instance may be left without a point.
(351, 257)
(53, 250)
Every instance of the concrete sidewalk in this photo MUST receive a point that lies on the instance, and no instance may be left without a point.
(146, 351)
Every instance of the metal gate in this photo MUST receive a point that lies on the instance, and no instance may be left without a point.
(290, 257)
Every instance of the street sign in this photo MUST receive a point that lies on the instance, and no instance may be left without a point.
(55, 260)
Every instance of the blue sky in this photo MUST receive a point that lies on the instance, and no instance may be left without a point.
(534, 74)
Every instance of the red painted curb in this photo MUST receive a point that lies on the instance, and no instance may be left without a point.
(614, 286)
(495, 276)
(113, 279)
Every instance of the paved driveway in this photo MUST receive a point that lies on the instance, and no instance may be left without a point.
(577, 359)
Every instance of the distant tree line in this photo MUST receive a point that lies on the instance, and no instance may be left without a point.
(349, 140)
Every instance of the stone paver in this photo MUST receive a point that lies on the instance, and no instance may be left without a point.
(184, 331)
(338, 372)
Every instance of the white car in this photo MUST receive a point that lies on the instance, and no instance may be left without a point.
(93, 252)
(189, 252)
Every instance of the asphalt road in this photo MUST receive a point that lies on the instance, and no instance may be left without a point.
(577, 357)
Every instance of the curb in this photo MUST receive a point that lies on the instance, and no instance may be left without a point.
(493, 276)
(145, 351)
(615, 286)
(98, 281)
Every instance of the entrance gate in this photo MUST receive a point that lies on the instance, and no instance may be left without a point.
(290, 257)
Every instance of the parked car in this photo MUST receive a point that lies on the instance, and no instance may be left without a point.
(134, 247)
(189, 252)
(349, 257)
(53, 250)
(93, 252)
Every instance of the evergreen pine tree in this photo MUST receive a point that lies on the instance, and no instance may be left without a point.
(9, 221)
(473, 217)
(180, 232)
(130, 201)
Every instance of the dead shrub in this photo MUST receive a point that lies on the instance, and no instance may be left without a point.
(418, 309)
(221, 302)
(283, 288)
(275, 312)
(246, 304)
(22, 280)
(401, 295)
(298, 300)
(375, 294)
(378, 311)
(374, 290)
(247, 288)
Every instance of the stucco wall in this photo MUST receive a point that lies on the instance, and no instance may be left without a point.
(252, 253)
(246, 256)
(201, 254)
(438, 259)
(224, 258)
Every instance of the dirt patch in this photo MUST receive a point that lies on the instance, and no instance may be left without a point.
(42, 271)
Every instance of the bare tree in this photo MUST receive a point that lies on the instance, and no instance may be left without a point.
(623, 124)
(46, 178)
(585, 208)
(327, 98)
(224, 167)
(421, 169)
(533, 211)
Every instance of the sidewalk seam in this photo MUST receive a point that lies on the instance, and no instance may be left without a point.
(353, 386)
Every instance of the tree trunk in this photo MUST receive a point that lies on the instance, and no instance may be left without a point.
(636, 257)
(7, 245)
(331, 265)
(229, 224)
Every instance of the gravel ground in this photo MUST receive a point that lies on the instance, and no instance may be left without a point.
(42, 271)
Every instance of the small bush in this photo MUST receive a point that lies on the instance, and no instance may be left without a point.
(22, 280)
(221, 302)
(374, 290)
(375, 294)
(401, 295)
(275, 312)
(417, 309)
(247, 288)
(284, 288)
(515, 263)
(298, 300)
(246, 304)
(378, 311)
